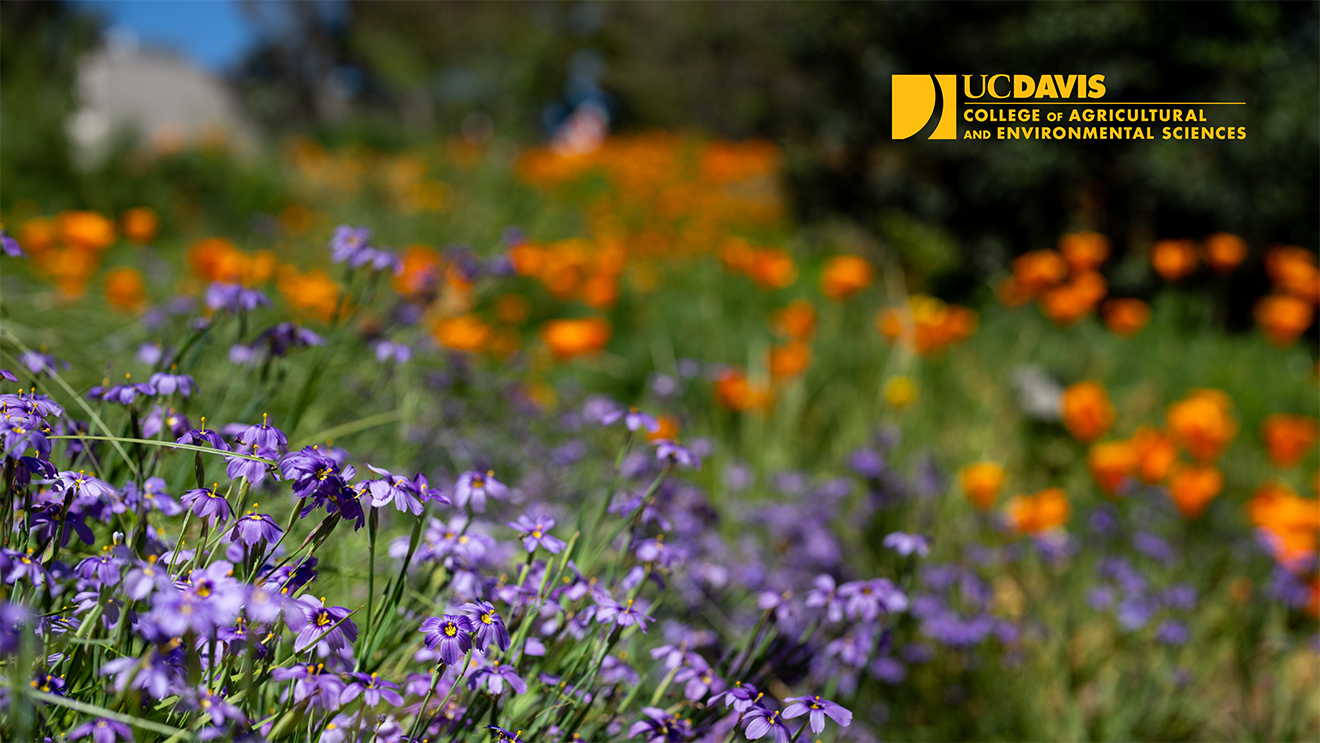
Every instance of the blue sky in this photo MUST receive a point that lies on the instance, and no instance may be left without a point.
(214, 33)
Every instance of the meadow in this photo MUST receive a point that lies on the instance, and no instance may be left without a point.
(484, 443)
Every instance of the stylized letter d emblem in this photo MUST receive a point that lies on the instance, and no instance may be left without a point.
(913, 101)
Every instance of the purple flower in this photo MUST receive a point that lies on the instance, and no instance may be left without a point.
(144, 579)
(123, 394)
(208, 504)
(655, 550)
(149, 354)
(698, 679)
(740, 696)
(10, 247)
(168, 383)
(818, 709)
(313, 682)
(84, 486)
(760, 721)
(348, 242)
(1172, 632)
(867, 598)
(1153, 546)
(536, 532)
(152, 495)
(493, 678)
(488, 625)
(372, 689)
(450, 633)
(158, 420)
(234, 297)
(506, 736)
(669, 451)
(908, 544)
(474, 487)
(868, 463)
(632, 418)
(153, 673)
(387, 350)
(214, 706)
(103, 568)
(391, 487)
(42, 363)
(658, 726)
(198, 436)
(256, 527)
(102, 730)
(825, 594)
(327, 627)
(624, 615)
(263, 435)
(253, 469)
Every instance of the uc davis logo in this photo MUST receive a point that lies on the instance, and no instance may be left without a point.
(914, 103)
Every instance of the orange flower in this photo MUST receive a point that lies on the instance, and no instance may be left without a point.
(313, 292)
(1289, 522)
(1173, 259)
(789, 361)
(733, 390)
(1126, 316)
(600, 291)
(1192, 488)
(1087, 411)
(797, 320)
(1038, 270)
(216, 259)
(981, 482)
(1284, 318)
(1155, 453)
(1202, 423)
(1224, 252)
(737, 255)
(421, 270)
(463, 333)
(1084, 251)
(1289, 438)
(87, 230)
(844, 276)
(576, 337)
(140, 224)
(124, 288)
(1112, 462)
(71, 268)
(773, 269)
(1070, 302)
(900, 391)
(668, 429)
(935, 325)
(1011, 293)
(1031, 514)
(1293, 270)
(37, 235)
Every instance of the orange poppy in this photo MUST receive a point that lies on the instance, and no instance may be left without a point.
(1087, 411)
(421, 270)
(773, 269)
(1293, 271)
(313, 292)
(463, 333)
(1289, 438)
(1173, 259)
(1039, 270)
(1011, 293)
(1067, 303)
(1111, 462)
(1031, 514)
(87, 230)
(734, 391)
(797, 320)
(981, 483)
(140, 224)
(845, 275)
(124, 288)
(1192, 488)
(1289, 522)
(1155, 453)
(1284, 318)
(576, 337)
(1084, 251)
(1224, 252)
(1126, 316)
(668, 428)
(37, 235)
(1202, 423)
(789, 361)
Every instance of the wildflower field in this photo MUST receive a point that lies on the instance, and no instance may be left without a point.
(478, 443)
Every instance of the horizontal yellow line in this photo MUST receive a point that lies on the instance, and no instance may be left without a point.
(1100, 103)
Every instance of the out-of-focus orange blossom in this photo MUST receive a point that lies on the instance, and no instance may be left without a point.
(668, 429)
(797, 320)
(217, 259)
(1156, 454)
(1087, 411)
(1173, 260)
(1224, 252)
(1032, 514)
(788, 361)
(733, 390)
(1192, 488)
(1290, 523)
(512, 309)
(935, 324)
(1284, 318)
(1084, 251)
(1111, 462)
(1293, 271)
(37, 235)
(981, 483)
(140, 224)
(772, 268)
(85, 229)
(1289, 438)
(421, 270)
(1069, 302)
(313, 293)
(1202, 423)
(844, 276)
(464, 333)
(576, 337)
(1126, 316)
(900, 391)
(125, 289)
(1038, 271)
